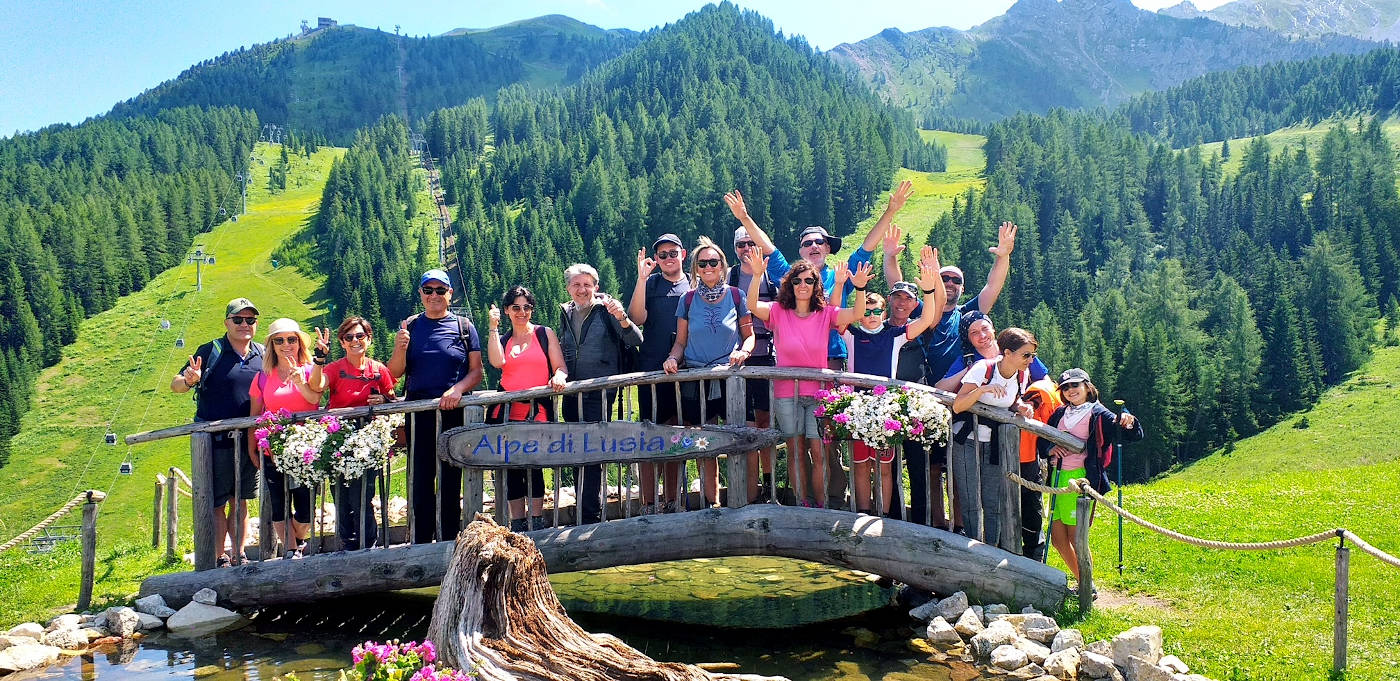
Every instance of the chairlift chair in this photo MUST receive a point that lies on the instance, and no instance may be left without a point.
(126, 468)
(111, 438)
(165, 325)
(179, 342)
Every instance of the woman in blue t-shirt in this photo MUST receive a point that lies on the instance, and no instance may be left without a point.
(713, 328)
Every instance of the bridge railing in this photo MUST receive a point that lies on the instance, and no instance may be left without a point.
(619, 496)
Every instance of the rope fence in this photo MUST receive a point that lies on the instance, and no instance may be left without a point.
(54, 517)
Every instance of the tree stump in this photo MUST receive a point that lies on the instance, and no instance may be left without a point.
(497, 616)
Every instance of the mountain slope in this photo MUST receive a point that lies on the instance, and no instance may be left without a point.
(1367, 19)
(1076, 54)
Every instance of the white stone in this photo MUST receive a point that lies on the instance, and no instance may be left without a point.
(32, 630)
(1028, 672)
(981, 616)
(1040, 628)
(67, 639)
(69, 621)
(206, 596)
(199, 619)
(1101, 647)
(122, 621)
(953, 606)
(1030, 610)
(925, 612)
(1067, 638)
(1140, 669)
(154, 604)
(998, 634)
(1173, 663)
(1008, 658)
(1096, 666)
(27, 656)
(150, 622)
(1036, 652)
(1144, 642)
(939, 631)
(996, 609)
(1063, 664)
(968, 625)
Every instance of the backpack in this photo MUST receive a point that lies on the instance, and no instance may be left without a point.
(216, 350)
(498, 412)
(628, 357)
(690, 298)
(462, 323)
(960, 435)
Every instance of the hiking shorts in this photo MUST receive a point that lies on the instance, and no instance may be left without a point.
(1062, 506)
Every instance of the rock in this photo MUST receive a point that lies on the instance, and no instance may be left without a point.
(69, 621)
(154, 604)
(969, 624)
(939, 631)
(27, 655)
(1173, 663)
(1067, 638)
(27, 630)
(925, 612)
(865, 638)
(1142, 670)
(122, 621)
(150, 622)
(1063, 664)
(94, 634)
(1096, 666)
(200, 619)
(1036, 652)
(206, 596)
(996, 609)
(67, 639)
(953, 606)
(1030, 610)
(1008, 658)
(1028, 672)
(1040, 628)
(6, 641)
(998, 634)
(981, 617)
(1101, 648)
(1144, 642)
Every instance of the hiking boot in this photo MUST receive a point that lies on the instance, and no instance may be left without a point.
(537, 523)
(519, 525)
(223, 561)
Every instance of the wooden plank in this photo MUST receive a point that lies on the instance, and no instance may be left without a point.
(1009, 459)
(202, 499)
(1339, 620)
(546, 445)
(1084, 514)
(921, 556)
(89, 552)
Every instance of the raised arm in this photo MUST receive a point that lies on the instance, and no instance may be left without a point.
(859, 278)
(323, 349)
(398, 360)
(758, 265)
(933, 294)
(637, 306)
(189, 377)
(494, 352)
(735, 201)
(996, 278)
(898, 197)
(892, 248)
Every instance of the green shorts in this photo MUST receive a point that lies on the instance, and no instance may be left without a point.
(1062, 506)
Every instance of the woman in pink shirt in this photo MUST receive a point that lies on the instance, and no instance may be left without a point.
(801, 321)
(285, 383)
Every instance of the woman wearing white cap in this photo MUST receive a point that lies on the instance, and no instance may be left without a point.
(285, 383)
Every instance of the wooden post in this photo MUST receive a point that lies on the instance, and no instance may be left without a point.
(735, 409)
(155, 512)
(1339, 623)
(172, 517)
(1010, 462)
(474, 477)
(89, 550)
(202, 499)
(1084, 512)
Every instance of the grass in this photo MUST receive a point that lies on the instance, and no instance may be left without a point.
(1268, 615)
(116, 375)
(1291, 139)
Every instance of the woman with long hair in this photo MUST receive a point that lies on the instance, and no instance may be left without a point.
(285, 383)
(528, 356)
(801, 322)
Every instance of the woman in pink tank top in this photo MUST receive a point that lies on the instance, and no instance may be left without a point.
(528, 356)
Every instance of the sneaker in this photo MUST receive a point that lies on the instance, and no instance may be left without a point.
(223, 561)
(668, 507)
(537, 523)
(648, 509)
(519, 525)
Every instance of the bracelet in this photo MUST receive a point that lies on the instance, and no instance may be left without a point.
(319, 361)
(858, 288)
(928, 291)
(187, 382)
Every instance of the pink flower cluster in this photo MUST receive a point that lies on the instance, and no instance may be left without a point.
(395, 661)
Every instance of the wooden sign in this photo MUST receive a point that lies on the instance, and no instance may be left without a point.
(549, 445)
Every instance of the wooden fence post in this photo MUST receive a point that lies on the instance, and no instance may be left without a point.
(172, 514)
(1339, 623)
(1009, 460)
(735, 411)
(475, 478)
(202, 499)
(155, 512)
(1084, 513)
(89, 550)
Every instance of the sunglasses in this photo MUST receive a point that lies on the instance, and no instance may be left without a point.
(1025, 355)
(435, 290)
(1071, 385)
(243, 321)
(667, 255)
(813, 242)
(521, 308)
(744, 244)
(810, 281)
(952, 279)
(354, 336)
(707, 262)
(874, 312)
(285, 340)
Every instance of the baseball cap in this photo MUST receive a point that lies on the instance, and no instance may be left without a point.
(833, 241)
(1072, 375)
(238, 305)
(435, 275)
(906, 288)
(740, 234)
(667, 238)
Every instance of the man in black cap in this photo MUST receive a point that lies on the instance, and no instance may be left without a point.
(654, 300)
(221, 372)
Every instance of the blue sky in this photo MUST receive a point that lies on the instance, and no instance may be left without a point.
(66, 60)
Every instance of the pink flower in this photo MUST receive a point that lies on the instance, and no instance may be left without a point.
(284, 413)
(823, 394)
(918, 428)
(260, 433)
(842, 419)
(821, 411)
(879, 390)
(332, 424)
(427, 652)
(847, 389)
(308, 455)
(892, 425)
(264, 444)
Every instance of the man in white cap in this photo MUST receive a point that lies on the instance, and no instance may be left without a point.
(653, 306)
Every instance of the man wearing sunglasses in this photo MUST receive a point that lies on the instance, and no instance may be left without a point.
(221, 372)
(439, 353)
(661, 283)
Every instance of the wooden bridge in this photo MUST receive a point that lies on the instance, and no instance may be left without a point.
(913, 553)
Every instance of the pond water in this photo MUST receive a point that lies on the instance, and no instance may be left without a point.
(315, 641)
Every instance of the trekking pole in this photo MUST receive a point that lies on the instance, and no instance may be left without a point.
(1118, 458)
(1050, 512)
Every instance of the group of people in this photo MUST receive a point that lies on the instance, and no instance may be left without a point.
(763, 310)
